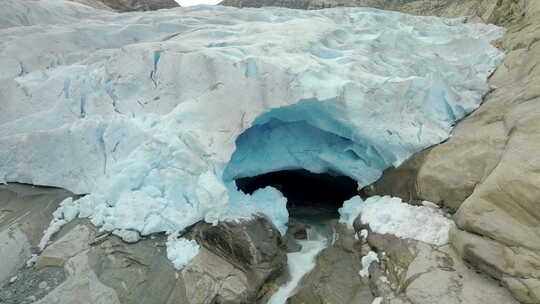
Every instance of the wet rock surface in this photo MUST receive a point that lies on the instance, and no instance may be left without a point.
(236, 260)
(335, 279)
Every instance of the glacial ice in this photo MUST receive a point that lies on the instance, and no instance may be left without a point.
(386, 214)
(153, 115)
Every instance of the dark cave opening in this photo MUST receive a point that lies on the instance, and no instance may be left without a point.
(308, 194)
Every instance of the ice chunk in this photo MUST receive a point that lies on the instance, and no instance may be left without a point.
(350, 210)
(391, 215)
(377, 300)
(366, 261)
(66, 212)
(180, 251)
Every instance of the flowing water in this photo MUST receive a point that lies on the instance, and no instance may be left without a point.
(302, 262)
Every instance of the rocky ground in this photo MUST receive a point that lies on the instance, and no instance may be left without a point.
(129, 5)
(83, 265)
(239, 263)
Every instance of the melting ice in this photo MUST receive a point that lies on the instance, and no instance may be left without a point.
(153, 115)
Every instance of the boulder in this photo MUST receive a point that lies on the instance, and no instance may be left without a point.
(415, 272)
(335, 279)
(83, 265)
(254, 250)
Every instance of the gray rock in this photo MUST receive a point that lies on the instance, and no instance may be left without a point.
(82, 265)
(254, 250)
(335, 279)
(414, 272)
(25, 212)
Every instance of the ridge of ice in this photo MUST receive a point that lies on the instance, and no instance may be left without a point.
(152, 115)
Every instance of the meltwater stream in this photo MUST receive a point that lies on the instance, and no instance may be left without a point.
(302, 262)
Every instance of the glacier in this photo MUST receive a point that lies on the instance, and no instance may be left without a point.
(152, 116)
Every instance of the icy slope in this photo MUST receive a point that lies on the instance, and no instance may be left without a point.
(143, 110)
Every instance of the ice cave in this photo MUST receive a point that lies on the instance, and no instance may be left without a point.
(323, 193)
(221, 99)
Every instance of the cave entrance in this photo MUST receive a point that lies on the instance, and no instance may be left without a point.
(308, 194)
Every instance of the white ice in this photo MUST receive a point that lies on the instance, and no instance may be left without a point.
(391, 215)
(154, 114)
(377, 300)
(180, 251)
(366, 262)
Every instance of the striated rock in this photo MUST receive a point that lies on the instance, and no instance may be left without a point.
(211, 279)
(81, 286)
(25, 212)
(414, 272)
(254, 250)
(103, 269)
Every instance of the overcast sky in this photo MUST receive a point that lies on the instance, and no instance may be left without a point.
(195, 2)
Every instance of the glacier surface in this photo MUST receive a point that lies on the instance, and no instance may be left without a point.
(153, 115)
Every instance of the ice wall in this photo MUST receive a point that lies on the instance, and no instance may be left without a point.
(143, 111)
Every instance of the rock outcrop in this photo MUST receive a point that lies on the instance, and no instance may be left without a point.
(413, 272)
(237, 259)
(335, 279)
(25, 212)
